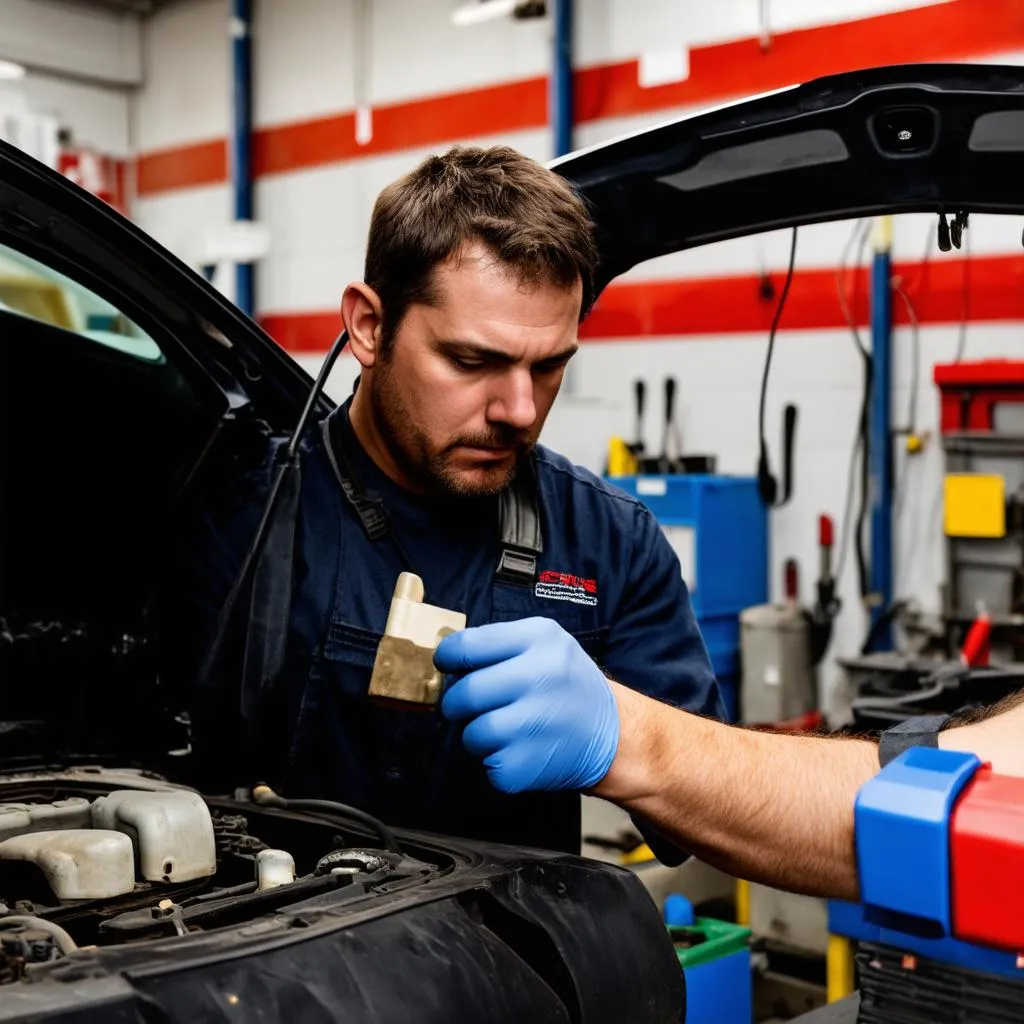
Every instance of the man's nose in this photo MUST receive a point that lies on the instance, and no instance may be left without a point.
(513, 403)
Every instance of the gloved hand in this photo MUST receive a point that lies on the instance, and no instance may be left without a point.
(541, 714)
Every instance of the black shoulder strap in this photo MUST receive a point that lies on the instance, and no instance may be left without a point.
(518, 508)
(371, 512)
(521, 535)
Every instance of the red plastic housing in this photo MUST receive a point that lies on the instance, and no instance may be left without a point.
(987, 861)
(971, 391)
(825, 531)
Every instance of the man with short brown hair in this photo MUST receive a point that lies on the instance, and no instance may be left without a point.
(479, 269)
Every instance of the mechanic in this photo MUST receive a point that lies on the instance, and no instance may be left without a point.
(478, 271)
(770, 808)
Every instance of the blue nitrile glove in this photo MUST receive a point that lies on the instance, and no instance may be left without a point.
(541, 714)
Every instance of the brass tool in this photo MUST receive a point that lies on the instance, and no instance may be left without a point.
(403, 671)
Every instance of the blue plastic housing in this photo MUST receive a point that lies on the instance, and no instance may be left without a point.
(902, 836)
(730, 556)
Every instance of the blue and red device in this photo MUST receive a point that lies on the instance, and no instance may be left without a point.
(940, 861)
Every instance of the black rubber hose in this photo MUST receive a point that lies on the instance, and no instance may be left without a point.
(266, 797)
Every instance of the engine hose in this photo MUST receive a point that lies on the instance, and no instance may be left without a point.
(266, 797)
(65, 943)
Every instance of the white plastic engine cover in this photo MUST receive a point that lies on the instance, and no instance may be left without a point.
(78, 863)
(18, 819)
(172, 832)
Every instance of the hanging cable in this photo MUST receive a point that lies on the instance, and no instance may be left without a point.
(915, 368)
(859, 454)
(903, 289)
(270, 507)
(965, 298)
(915, 380)
(859, 235)
(767, 484)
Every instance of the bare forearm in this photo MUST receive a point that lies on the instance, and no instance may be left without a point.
(996, 735)
(768, 808)
(765, 807)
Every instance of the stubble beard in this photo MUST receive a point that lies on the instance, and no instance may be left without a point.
(433, 471)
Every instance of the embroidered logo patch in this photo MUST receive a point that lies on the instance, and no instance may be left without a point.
(564, 586)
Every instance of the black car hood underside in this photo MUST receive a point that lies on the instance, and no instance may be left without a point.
(814, 153)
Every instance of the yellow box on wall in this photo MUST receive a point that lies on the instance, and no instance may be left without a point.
(975, 505)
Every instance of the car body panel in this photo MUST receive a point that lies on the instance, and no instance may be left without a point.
(498, 933)
(807, 155)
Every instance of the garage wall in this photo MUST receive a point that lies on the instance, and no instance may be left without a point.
(81, 62)
(426, 84)
(89, 42)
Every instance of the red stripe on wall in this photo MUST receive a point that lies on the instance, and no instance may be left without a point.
(303, 332)
(514, 106)
(733, 305)
(204, 163)
(954, 30)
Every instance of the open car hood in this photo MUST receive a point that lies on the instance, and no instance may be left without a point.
(832, 149)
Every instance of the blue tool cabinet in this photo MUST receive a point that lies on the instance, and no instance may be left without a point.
(718, 526)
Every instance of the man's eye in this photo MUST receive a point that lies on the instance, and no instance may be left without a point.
(544, 368)
(466, 364)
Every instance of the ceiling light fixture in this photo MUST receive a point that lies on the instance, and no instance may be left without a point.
(478, 11)
(10, 72)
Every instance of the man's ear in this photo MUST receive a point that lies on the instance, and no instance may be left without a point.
(361, 312)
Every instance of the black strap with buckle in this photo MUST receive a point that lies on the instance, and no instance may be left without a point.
(521, 539)
(518, 509)
(371, 511)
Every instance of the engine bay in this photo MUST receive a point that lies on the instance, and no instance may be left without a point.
(94, 859)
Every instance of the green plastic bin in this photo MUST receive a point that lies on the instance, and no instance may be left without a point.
(717, 971)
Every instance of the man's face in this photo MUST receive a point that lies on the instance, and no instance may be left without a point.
(466, 385)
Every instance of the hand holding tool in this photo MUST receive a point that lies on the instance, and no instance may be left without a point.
(403, 671)
(541, 714)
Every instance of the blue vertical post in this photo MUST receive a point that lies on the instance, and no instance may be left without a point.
(881, 463)
(561, 93)
(241, 139)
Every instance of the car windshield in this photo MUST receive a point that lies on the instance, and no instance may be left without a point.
(32, 289)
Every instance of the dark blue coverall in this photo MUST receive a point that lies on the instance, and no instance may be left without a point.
(606, 574)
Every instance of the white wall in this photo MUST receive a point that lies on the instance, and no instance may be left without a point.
(97, 117)
(74, 39)
(186, 97)
(81, 63)
(319, 58)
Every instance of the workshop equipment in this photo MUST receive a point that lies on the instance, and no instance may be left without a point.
(982, 429)
(718, 528)
(779, 680)
(403, 670)
(715, 958)
(782, 644)
(630, 458)
(679, 462)
(887, 688)
(940, 856)
(625, 457)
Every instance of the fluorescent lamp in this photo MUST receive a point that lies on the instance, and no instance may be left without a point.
(9, 71)
(475, 13)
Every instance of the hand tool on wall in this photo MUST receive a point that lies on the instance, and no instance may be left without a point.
(626, 458)
(637, 447)
(828, 604)
(665, 463)
(767, 484)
